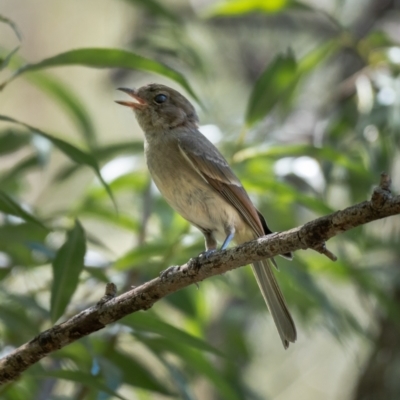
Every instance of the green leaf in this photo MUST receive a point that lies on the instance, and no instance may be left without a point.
(141, 253)
(106, 152)
(180, 380)
(12, 25)
(351, 162)
(64, 96)
(134, 373)
(275, 81)
(97, 273)
(84, 378)
(317, 55)
(18, 323)
(94, 210)
(145, 322)
(194, 360)
(11, 141)
(4, 272)
(106, 58)
(18, 240)
(279, 80)
(286, 194)
(20, 315)
(240, 7)
(9, 206)
(12, 176)
(185, 301)
(156, 8)
(79, 352)
(6, 60)
(68, 100)
(67, 266)
(27, 302)
(377, 39)
(102, 154)
(75, 154)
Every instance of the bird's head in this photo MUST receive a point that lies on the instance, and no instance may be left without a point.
(160, 108)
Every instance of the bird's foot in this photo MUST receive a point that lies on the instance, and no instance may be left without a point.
(207, 253)
(164, 275)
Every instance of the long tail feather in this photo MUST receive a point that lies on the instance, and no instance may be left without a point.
(275, 301)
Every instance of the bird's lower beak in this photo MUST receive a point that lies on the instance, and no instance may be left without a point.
(139, 104)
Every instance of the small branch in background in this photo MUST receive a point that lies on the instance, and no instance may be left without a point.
(110, 293)
(110, 309)
(322, 249)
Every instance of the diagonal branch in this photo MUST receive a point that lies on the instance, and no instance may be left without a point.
(109, 309)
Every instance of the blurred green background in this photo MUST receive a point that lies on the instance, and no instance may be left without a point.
(303, 99)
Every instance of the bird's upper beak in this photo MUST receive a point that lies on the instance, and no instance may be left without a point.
(139, 104)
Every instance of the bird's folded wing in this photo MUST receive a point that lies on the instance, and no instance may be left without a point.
(214, 169)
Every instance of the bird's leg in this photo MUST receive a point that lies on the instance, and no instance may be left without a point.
(211, 246)
(211, 243)
(230, 231)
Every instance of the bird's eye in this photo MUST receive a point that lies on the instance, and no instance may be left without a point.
(160, 98)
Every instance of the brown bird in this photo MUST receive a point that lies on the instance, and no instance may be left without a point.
(198, 183)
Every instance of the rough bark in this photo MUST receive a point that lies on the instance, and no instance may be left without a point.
(110, 308)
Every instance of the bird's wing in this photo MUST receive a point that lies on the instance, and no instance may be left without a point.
(214, 169)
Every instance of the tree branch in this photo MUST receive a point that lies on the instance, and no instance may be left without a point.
(109, 309)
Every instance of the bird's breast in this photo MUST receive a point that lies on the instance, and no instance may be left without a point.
(188, 192)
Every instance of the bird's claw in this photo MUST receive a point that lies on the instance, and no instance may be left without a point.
(164, 275)
(207, 253)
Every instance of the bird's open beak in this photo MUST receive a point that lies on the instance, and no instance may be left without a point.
(139, 104)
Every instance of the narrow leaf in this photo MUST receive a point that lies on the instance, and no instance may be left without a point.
(134, 373)
(67, 266)
(105, 152)
(9, 206)
(84, 378)
(97, 211)
(13, 175)
(106, 58)
(240, 7)
(156, 8)
(317, 55)
(68, 100)
(102, 154)
(287, 194)
(6, 60)
(17, 241)
(147, 323)
(279, 80)
(75, 154)
(274, 82)
(351, 162)
(141, 254)
(12, 25)
(194, 360)
(63, 95)
(11, 140)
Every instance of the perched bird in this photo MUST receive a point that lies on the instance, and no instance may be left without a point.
(196, 180)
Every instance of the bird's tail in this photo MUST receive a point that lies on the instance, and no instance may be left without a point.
(275, 301)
